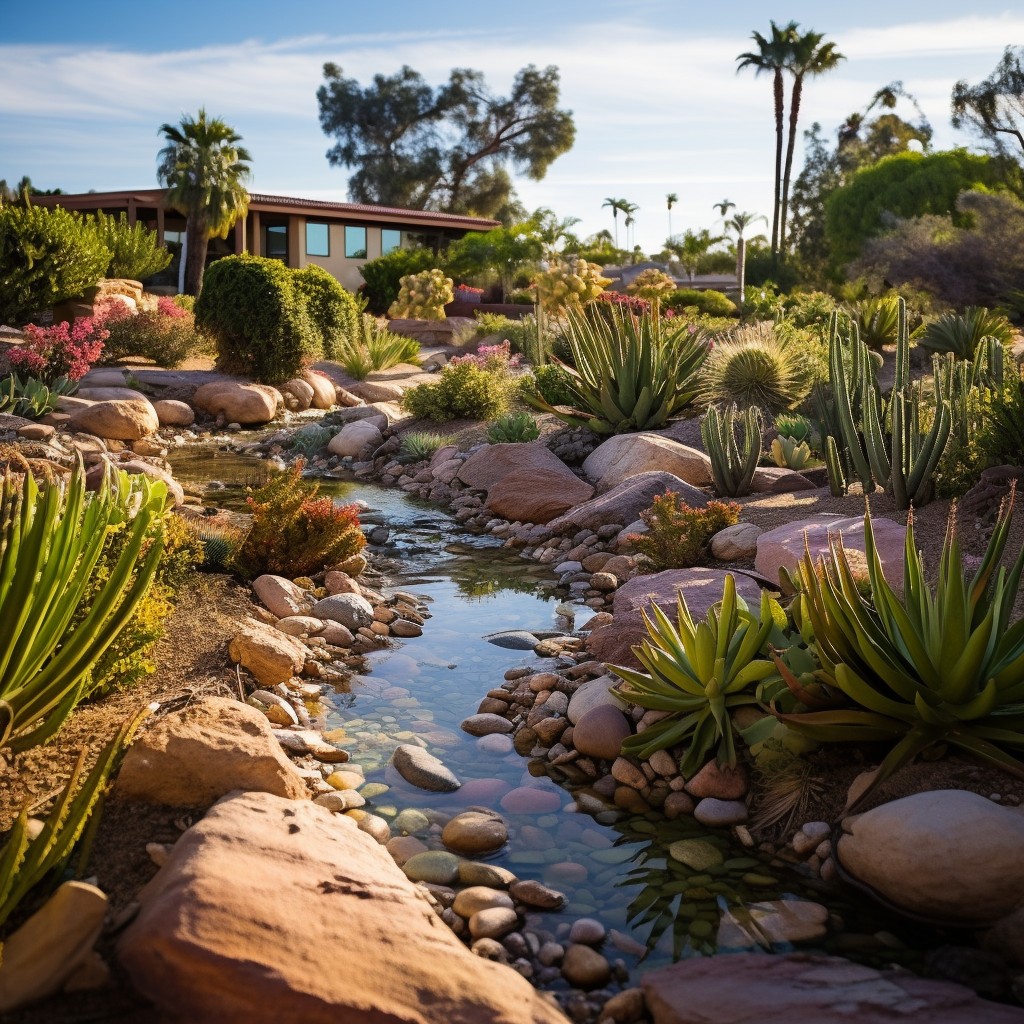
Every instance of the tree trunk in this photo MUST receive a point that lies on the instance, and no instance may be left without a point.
(195, 257)
(741, 267)
(779, 112)
(794, 113)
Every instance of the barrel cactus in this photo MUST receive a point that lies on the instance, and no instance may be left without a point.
(423, 296)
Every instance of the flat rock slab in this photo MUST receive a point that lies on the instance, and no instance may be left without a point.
(700, 587)
(269, 911)
(749, 988)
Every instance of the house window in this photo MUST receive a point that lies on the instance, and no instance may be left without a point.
(390, 240)
(355, 243)
(318, 239)
(277, 242)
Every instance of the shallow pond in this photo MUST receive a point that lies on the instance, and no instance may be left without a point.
(612, 865)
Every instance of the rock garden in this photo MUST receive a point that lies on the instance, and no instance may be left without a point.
(605, 666)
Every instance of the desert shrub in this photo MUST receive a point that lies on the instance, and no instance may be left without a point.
(295, 533)
(762, 301)
(421, 444)
(63, 352)
(877, 320)
(961, 334)
(710, 302)
(513, 428)
(134, 252)
(520, 334)
(677, 535)
(251, 307)
(465, 390)
(1002, 440)
(809, 309)
(384, 274)
(422, 296)
(186, 302)
(552, 383)
(333, 311)
(166, 335)
(754, 367)
(46, 256)
(374, 347)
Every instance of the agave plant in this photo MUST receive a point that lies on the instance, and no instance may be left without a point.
(50, 542)
(790, 453)
(515, 428)
(877, 321)
(32, 398)
(630, 373)
(937, 665)
(731, 468)
(962, 334)
(421, 444)
(309, 439)
(791, 424)
(699, 672)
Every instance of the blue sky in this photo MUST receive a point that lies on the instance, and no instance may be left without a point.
(658, 105)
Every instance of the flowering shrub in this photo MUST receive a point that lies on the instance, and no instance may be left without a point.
(63, 350)
(678, 534)
(636, 305)
(569, 284)
(493, 358)
(467, 293)
(166, 335)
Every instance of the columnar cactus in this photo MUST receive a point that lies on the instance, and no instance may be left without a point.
(423, 296)
(571, 283)
(731, 468)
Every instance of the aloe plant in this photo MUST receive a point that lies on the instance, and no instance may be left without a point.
(50, 542)
(516, 427)
(877, 321)
(32, 398)
(731, 467)
(629, 373)
(699, 672)
(938, 664)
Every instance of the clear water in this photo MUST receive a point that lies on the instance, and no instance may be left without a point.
(611, 865)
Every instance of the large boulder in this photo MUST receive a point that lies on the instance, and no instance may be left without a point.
(700, 587)
(247, 404)
(535, 495)
(491, 463)
(750, 988)
(783, 547)
(172, 413)
(947, 855)
(270, 655)
(626, 455)
(324, 394)
(298, 394)
(110, 394)
(282, 597)
(354, 437)
(127, 419)
(624, 502)
(237, 924)
(376, 391)
(192, 757)
(351, 610)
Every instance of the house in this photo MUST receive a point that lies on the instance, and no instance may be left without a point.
(340, 237)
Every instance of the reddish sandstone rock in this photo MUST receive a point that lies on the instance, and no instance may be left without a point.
(537, 495)
(491, 463)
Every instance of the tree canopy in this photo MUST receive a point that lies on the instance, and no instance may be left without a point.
(995, 106)
(448, 148)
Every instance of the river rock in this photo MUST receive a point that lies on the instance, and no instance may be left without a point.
(736, 543)
(698, 854)
(479, 897)
(585, 967)
(513, 640)
(420, 768)
(600, 732)
(531, 800)
(778, 480)
(138, 467)
(324, 394)
(947, 855)
(235, 925)
(281, 597)
(783, 547)
(351, 610)
(493, 923)
(337, 634)
(118, 419)
(719, 781)
(340, 583)
(172, 413)
(720, 813)
(248, 404)
(536, 894)
(750, 988)
(587, 930)
(624, 502)
(491, 463)
(299, 625)
(113, 393)
(373, 391)
(213, 745)
(354, 437)
(774, 923)
(270, 655)
(700, 587)
(485, 724)
(437, 867)
(492, 876)
(475, 832)
(627, 455)
(594, 693)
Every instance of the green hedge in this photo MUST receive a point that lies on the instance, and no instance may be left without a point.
(335, 312)
(710, 302)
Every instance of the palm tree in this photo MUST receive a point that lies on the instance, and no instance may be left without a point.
(204, 169)
(671, 199)
(690, 248)
(616, 205)
(628, 209)
(809, 55)
(773, 55)
(739, 222)
(723, 207)
(552, 231)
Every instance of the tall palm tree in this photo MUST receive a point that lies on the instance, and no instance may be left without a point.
(617, 205)
(689, 248)
(723, 207)
(772, 57)
(205, 170)
(739, 222)
(628, 209)
(809, 55)
(671, 199)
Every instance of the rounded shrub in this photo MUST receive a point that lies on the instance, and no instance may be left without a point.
(710, 302)
(251, 307)
(464, 391)
(333, 311)
(753, 367)
(552, 382)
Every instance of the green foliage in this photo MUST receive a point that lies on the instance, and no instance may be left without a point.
(513, 428)
(423, 296)
(295, 533)
(250, 306)
(419, 445)
(333, 312)
(793, 425)
(762, 301)
(374, 347)
(731, 467)
(464, 391)
(629, 373)
(677, 535)
(520, 334)
(502, 251)
(877, 321)
(935, 664)
(383, 275)
(166, 335)
(1002, 439)
(961, 334)
(46, 256)
(709, 301)
(699, 673)
(790, 453)
(753, 366)
(134, 251)
(30, 397)
(51, 541)
(554, 384)
(995, 106)
(219, 541)
(310, 439)
(809, 309)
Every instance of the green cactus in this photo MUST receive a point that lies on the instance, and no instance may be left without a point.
(732, 468)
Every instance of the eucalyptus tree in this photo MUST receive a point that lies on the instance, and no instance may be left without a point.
(995, 106)
(205, 171)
